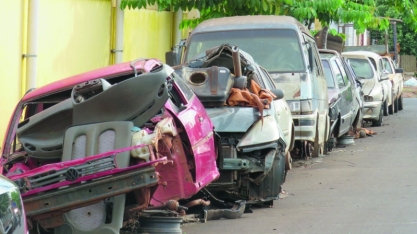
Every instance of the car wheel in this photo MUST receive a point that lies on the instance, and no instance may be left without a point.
(400, 102)
(391, 108)
(378, 123)
(396, 105)
(385, 108)
(318, 148)
(288, 161)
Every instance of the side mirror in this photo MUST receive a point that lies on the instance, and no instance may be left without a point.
(278, 92)
(384, 76)
(399, 70)
(171, 58)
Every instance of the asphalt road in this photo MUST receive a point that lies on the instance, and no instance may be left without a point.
(369, 187)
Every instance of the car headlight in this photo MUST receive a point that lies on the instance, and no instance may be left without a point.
(302, 107)
(333, 112)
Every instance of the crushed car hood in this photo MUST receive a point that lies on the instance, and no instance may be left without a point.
(368, 85)
(233, 119)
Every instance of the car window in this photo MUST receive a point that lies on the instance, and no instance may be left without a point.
(361, 67)
(373, 63)
(342, 70)
(277, 50)
(387, 65)
(317, 66)
(381, 66)
(337, 74)
(268, 78)
(328, 74)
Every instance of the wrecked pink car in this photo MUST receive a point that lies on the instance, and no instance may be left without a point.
(93, 150)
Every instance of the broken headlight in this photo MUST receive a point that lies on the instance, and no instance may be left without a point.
(367, 98)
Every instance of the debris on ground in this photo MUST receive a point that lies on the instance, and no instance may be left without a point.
(411, 82)
(364, 132)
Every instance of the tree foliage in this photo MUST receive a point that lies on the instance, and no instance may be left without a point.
(362, 13)
(406, 31)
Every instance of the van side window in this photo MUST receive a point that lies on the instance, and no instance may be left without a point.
(317, 66)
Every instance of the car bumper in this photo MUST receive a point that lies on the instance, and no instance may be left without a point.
(305, 127)
(371, 110)
(73, 197)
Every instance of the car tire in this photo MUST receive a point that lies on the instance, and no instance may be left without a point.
(392, 107)
(396, 105)
(378, 123)
(318, 148)
(385, 108)
(400, 103)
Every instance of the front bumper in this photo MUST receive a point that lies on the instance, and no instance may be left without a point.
(371, 110)
(305, 127)
(72, 197)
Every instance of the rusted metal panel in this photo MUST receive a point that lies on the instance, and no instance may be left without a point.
(408, 63)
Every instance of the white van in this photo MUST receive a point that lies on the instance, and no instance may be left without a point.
(285, 48)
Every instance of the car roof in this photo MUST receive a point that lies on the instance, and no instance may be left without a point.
(106, 72)
(360, 52)
(250, 22)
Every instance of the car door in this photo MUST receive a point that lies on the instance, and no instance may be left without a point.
(282, 110)
(386, 84)
(192, 115)
(344, 89)
(349, 95)
(396, 78)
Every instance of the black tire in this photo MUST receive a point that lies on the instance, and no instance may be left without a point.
(400, 103)
(385, 108)
(392, 107)
(317, 148)
(396, 105)
(378, 123)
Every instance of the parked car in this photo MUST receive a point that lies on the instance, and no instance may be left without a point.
(12, 214)
(375, 87)
(382, 73)
(345, 108)
(91, 150)
(249, 115)
(396, 76)
(287, 51)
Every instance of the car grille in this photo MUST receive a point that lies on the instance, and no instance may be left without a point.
(67, 174)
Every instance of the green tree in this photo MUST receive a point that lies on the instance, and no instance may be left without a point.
(359, 12)
(406, 31)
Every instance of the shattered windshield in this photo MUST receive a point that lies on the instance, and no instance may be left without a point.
(275, 50)
(362, 68)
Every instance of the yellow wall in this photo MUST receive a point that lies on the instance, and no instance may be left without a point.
(11, 25)
(147, 34)
(74, 37)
